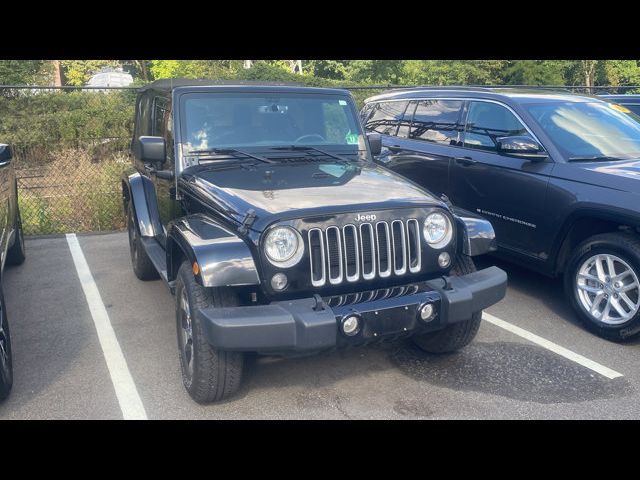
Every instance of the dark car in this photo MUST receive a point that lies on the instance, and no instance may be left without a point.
(557, 174)
(262, 210)
(12, 250)
(629, 101)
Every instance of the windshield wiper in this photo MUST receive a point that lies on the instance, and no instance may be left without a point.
(596, 158)
(306, 148)
(232, 151)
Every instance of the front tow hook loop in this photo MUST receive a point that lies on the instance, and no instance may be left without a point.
(320, 305)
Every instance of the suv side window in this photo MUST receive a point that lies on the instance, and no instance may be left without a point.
(405, 122)
(386, 116)
(486, 122)
(366, 112)
(159, 116)
(162, 123)
(437, 121)
(144, 117)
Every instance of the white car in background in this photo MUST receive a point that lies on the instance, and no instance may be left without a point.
(111, 78)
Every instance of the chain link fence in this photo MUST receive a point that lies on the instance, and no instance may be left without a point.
(70, 150)
(71, 188)
(71, 146)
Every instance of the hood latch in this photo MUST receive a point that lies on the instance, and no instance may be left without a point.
(247, 221)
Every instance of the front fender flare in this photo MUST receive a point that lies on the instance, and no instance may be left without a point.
(224, 259)
(139, 190)
(478, 236)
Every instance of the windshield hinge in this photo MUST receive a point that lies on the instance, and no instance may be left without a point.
(247, 221)
(446, 200)
(191, 161)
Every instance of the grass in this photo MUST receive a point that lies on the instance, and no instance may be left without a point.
(71, 191)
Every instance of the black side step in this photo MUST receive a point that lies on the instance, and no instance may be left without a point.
(158, 257)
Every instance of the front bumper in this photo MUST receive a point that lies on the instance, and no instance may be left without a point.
(306, 325)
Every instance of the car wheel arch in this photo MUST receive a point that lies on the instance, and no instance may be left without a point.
(584, 224)
(223, 258)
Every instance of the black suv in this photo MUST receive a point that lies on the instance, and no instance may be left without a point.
(629, 101)
(262, 210)
(12, 252)
(558, 175)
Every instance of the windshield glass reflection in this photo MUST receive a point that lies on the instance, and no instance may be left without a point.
(589, 129)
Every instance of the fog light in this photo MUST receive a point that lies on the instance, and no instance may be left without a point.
(427, 312)
(279, 281)
(351, 325)
(444, 259)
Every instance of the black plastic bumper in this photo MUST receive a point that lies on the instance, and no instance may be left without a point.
(303, 325)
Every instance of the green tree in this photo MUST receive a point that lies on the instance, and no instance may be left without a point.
(78, 72)
(214, 69)
(534, 72)
(375, 71)
(618, 72)
(453, 72)
(25, 72)
(332, 69)
(269, 71)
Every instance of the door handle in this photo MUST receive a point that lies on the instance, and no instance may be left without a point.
(394, 148)
(465, 161)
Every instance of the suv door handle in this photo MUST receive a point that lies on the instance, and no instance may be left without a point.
(465, 161)
(394, 148)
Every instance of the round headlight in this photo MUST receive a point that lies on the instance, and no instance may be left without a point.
(283, 246)
(437, 230)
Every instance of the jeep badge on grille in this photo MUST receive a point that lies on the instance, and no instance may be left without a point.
(365, 218)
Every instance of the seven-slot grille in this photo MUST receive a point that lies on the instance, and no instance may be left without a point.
(364, 251)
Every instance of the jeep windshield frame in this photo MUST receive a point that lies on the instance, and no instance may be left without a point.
(257, 121)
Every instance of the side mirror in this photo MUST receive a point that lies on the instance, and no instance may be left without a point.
(521, 146)
(375, 143)
(6, 154)
(151, 150)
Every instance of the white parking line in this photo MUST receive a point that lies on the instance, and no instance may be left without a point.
(128, 398)
(554, 347)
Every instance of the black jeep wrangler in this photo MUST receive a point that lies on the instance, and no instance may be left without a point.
(262, 210)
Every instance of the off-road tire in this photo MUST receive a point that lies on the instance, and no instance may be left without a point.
(142, 265)
(625, 246)
(456, 335)
(216, 373)
(6, 365)
(16, 253)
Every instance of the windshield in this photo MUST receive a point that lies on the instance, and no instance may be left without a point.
(589, 129)
(232, 120)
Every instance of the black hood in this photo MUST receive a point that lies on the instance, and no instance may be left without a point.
(623, 175)
(303, 189)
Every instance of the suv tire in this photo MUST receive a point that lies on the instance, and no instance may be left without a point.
(456, 335)
(16, 253)
(142, 265)
(593, 291)
(208, 374)
(6, 365)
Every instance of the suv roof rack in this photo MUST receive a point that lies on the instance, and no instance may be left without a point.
(482, 87)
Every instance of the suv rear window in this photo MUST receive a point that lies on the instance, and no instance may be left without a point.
(385, 117)
(437, 121)
(488, 121)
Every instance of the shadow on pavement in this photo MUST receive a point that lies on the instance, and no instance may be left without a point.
(513, 370)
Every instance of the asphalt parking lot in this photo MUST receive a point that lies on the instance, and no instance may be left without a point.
(531, 358)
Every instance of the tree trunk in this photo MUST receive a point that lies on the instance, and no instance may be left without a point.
(142, 68)
(589, 70)
(57, 77)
